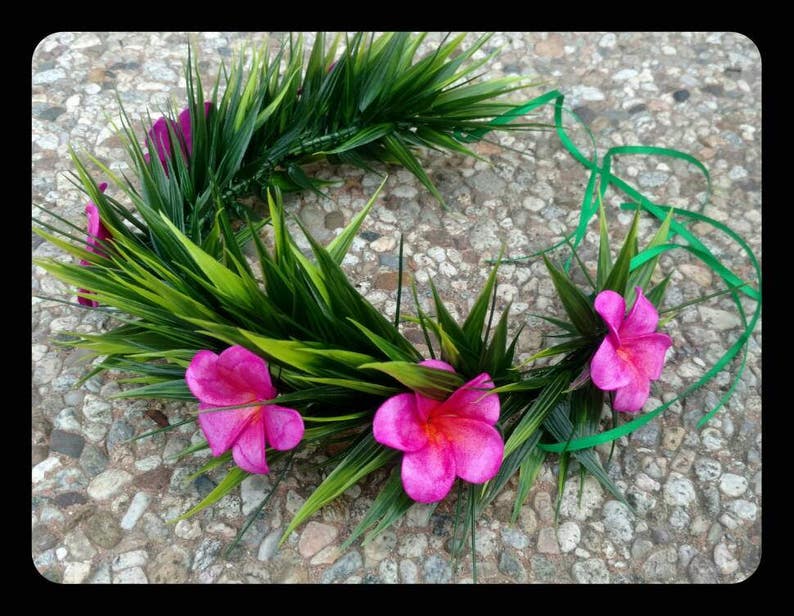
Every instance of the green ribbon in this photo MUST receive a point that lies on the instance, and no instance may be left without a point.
(601, 176)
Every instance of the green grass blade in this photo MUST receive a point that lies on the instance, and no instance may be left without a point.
(604, 254)
(363, 458)
(578, 307)
(339, 246)
(431, 382)
(233, 478)
(390, 503)
(619, 275)
(538, 411)
(528, 471)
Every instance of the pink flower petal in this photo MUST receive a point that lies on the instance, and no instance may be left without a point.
(236, 376)
(250, 369)
(642, 319)
(222, 428)
(437, 364)
(283, 426)
(647, 353)
(607, 369)
(428, 474)
(478, 447)
(612, 308)
(161, 140)
(211, 385)
(473, 401)
(425, 406)
(397, 424)
(97, 232)
(186, 127)
(632, 397)
(92, 212)
(249, 449)
(85, 301)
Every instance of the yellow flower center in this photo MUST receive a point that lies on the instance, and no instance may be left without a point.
(624, 354)
(432, 432)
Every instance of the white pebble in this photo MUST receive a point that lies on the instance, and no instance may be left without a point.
(135, 575)
(568, 536)
(108, 483)
(678, 490)
(724, 559)
(75, 573)
(43, 468)
(733, 485)
(126, 560)
(138, 505)
(623, 75)
(609, 40)
(384, 244)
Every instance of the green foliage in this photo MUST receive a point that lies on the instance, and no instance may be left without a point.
(233, 478)
(577, 305)
(370, 99)
(176, 278)
(324, 339)
(362, 458)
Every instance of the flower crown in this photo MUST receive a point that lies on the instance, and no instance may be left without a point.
(220, 298)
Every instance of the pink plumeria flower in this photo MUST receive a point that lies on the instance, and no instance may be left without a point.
(443, 439)
(97, 233)
(183, 130)
(238, 376)
(632, 353)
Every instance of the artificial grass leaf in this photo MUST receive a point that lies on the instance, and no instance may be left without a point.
(604, 254)
(363, 457)
(641, 277)
(472, 329)
(339, 246)
(431, 382)
(560, 427)
(233, 478)
(528, 471)
(578, 307)
(619, 274)
(536, 414)
(389, 505)
(397, 148)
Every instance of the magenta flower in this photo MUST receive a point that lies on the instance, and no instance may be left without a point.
(237, 376)
(183, 130)
(632, 353)
(442, 439)
(97, 233)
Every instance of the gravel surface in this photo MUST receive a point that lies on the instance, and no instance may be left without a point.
(100, 505)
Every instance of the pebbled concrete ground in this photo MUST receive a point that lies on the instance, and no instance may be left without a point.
(99, 506)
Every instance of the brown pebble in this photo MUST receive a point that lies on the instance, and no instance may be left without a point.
(334, 220)
(487, 149)
(157, 417)
(552, 47)
(707, 153)
(388, 280)
(155, 480)
(96, 75)
(39, 453)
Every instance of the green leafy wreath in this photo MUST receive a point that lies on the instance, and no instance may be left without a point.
(282, 351)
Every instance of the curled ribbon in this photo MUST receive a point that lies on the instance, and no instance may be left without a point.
(601, 176)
